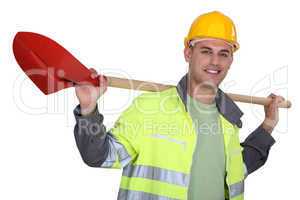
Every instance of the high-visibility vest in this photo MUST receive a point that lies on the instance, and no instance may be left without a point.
(153, 141)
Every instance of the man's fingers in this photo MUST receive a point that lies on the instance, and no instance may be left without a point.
(274, 104)
(272, 95)
(103, 81)
(93, 70)
(276, 98)
(103, 84)
(281, 98)
(94, 73)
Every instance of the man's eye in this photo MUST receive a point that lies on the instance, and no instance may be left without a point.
(225, 55)
(205, 52)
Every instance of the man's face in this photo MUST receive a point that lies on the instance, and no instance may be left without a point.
(209, 61)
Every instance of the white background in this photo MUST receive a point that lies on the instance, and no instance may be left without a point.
(141, 40)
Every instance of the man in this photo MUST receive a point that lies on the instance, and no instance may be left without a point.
(183, 142)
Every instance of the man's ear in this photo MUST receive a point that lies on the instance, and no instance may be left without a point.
(187, 54)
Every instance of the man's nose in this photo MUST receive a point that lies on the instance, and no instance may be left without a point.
(214, 60)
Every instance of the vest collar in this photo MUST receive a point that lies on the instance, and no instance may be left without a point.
(225, 105)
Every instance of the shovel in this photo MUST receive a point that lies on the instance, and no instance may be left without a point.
(52, 68)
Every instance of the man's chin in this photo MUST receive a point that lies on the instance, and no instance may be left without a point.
(210, 84)
(207, 82)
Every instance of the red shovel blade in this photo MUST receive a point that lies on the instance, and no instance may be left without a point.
(50, 66)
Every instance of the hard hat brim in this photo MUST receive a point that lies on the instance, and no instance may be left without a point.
(192, 42)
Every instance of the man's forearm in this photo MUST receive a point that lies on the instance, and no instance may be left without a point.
(256, 148)
(90, 136)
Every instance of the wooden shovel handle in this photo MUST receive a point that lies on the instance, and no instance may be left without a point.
(257, 100)
(155, 87)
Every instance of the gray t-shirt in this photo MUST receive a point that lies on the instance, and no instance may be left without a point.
(208, 168)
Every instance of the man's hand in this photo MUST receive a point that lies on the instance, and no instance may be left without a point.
(271, 113)
(89, 94)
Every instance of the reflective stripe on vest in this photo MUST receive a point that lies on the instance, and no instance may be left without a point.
(245, 171)
(156, 173)
(138, 195)
(236, 189)
(117, 152)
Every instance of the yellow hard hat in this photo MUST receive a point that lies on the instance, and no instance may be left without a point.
(213, 25)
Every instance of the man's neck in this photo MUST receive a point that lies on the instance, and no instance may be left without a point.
(205, 93)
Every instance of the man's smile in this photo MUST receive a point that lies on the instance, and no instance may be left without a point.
(212, 71)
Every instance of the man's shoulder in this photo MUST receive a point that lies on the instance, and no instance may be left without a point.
(151, 102)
